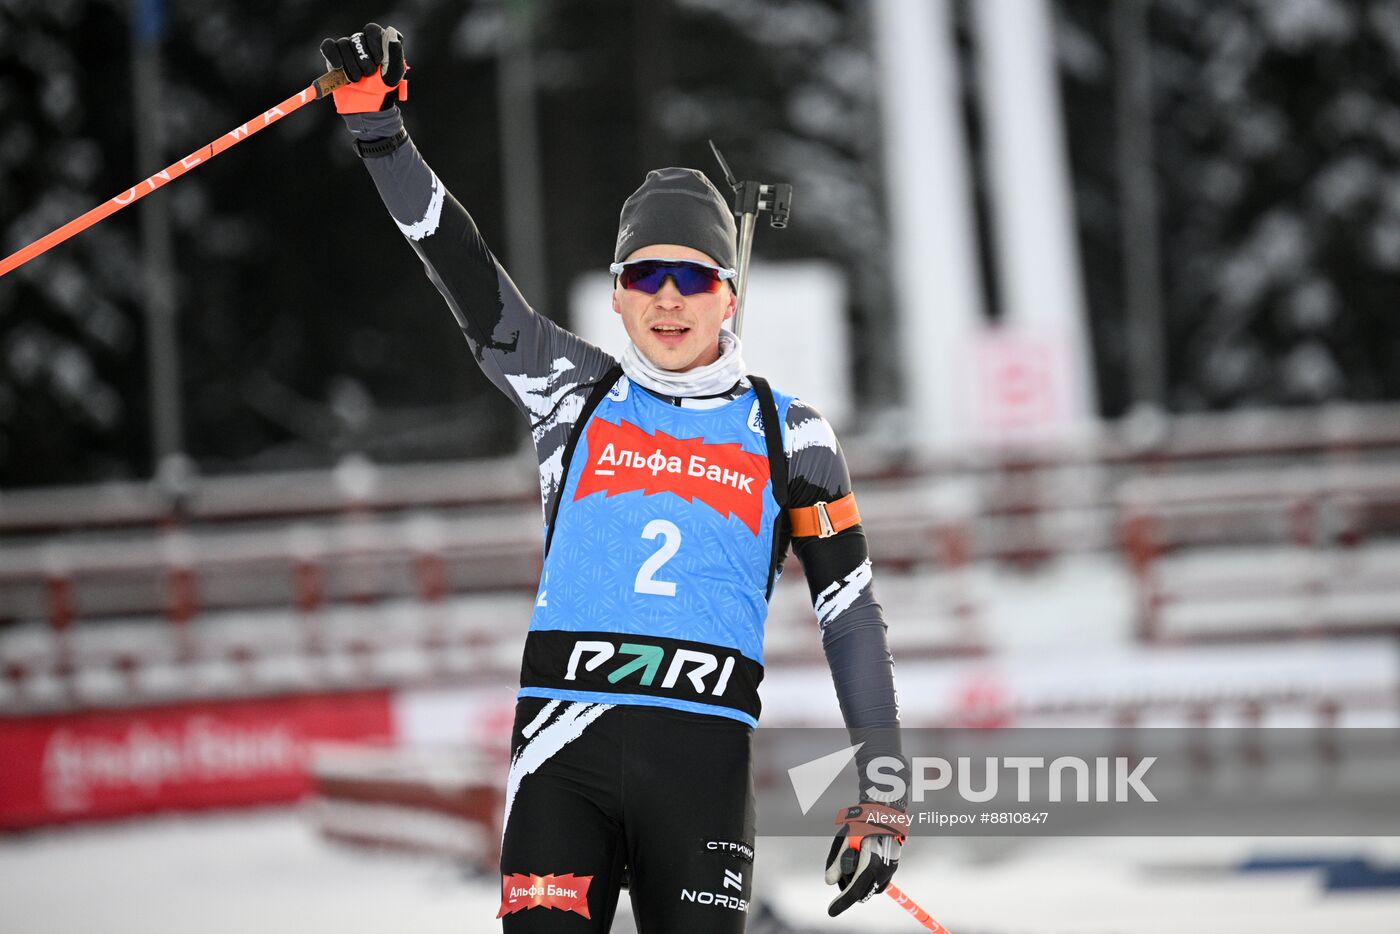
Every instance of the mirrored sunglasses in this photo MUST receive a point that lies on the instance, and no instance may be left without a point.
(691, 278)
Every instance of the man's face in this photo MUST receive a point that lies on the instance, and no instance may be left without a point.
(674, 331)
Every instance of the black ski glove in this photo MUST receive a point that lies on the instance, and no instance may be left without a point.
(865, 853)
(374, 62)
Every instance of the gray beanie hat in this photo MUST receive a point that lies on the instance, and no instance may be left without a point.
(678, 206)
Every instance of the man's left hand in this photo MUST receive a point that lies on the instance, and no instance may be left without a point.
(865, 853)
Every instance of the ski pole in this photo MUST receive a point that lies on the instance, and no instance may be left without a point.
(917, 913)
(317, 89)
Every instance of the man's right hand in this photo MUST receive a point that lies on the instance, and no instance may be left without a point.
(373, 60)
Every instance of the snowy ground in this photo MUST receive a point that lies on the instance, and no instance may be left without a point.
(267, 871)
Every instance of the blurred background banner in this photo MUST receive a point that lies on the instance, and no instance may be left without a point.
(104, 764)
(1100, 296)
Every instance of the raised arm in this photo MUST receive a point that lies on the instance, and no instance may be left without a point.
(543, 368)
(525, 354)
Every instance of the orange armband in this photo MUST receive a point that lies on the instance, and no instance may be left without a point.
(825, 519)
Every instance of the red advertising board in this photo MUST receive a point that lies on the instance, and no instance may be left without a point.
(95, 764)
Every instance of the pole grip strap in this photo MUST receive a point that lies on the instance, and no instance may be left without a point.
(870, 819)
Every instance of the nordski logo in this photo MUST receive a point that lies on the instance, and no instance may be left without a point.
(623, 458)
(624, 235)
(720, 899)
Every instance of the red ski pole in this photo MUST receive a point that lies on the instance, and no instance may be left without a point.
(317, 89)
(917, 913)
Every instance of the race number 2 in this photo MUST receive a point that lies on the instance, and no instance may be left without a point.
(670, 544)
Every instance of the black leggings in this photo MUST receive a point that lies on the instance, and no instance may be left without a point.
(596, 788)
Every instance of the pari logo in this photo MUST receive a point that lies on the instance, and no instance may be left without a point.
(645, 662)
(623, 458)
(521, 891)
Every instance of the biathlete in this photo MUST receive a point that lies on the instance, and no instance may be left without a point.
(673, 482)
